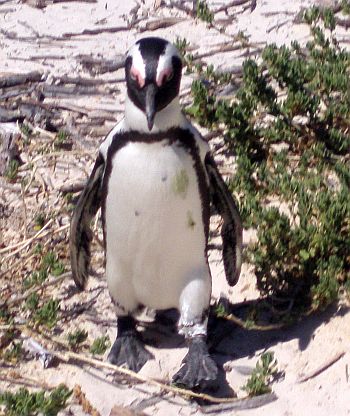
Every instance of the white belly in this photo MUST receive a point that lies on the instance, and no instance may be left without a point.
(155, 237)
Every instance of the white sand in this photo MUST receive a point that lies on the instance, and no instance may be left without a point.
(300, 349)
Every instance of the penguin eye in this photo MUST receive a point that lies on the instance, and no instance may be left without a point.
(170, 76)
(165, 76)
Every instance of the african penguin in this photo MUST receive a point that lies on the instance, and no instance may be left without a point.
(155, 180)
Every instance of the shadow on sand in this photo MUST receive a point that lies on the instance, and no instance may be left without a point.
(228, 341)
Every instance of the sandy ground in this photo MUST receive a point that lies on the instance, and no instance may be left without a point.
(40, 39)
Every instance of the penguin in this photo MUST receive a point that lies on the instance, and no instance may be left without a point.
(156, 183)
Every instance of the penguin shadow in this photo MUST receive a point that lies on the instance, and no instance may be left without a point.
(162, 332)
(227, 338)
(71, 290)
(229, 342)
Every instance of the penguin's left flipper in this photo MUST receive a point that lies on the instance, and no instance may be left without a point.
(80, 233)
(231, 231)
(198, 369)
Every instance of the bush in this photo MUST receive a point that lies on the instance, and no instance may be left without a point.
(289, 128)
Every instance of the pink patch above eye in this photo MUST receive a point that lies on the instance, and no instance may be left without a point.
(164, 76)
(136, 75)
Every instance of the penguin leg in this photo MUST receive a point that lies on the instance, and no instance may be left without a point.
(198, 368)
(128, 349)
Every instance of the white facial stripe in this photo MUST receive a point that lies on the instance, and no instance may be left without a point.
(137, 61)
(165, 64)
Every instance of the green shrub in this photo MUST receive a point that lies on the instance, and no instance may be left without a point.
(288, 126)
(47, 314)
(25, 403)
(50, 264)
(100, 345)
(262, 375)
(203, 12)
(76, 338)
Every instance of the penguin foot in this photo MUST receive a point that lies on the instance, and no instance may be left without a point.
(198, 369)
(129, 350)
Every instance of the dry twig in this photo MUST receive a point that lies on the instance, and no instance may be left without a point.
(98, 31)
(70, 356)
(23, 244)
(252, 327)
(234, 3)
(29, 292)
(17, 378)
(160, 23)
(323, 367)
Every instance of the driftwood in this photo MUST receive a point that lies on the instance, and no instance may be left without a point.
(63, 91)
(40, 58)
(27, 110)
(82, 81)
(41, 4)
(323, 367)
(113, 29)
(7, 116)
(160, 23)
(177, 5)
(277, 26)
(100, 65)
(22, 98)
(10, 80)
(42, 40)
(243, 404)
(17, 91)
(343, 22)
(221, 49)
(68, 107)
(234, 3)
(72, 187)
(9, 151)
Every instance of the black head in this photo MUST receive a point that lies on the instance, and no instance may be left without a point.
(153, 74)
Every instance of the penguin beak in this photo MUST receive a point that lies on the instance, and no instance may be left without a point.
(151, 90)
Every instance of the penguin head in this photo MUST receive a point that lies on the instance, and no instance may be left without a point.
(153, 74)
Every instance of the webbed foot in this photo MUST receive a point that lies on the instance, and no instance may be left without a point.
(198, 369)
(127, 348)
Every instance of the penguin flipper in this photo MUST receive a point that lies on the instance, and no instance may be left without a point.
(80, 233)
(231, 231)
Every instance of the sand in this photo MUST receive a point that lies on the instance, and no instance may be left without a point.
(40, 39)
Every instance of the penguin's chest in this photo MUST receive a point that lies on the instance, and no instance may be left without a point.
(154, 224)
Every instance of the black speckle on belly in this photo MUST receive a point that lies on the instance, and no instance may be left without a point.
(137, 213)
(164, 177)
(190, 221)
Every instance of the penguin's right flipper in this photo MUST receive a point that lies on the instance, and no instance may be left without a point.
(80, 233)
(231, 231)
